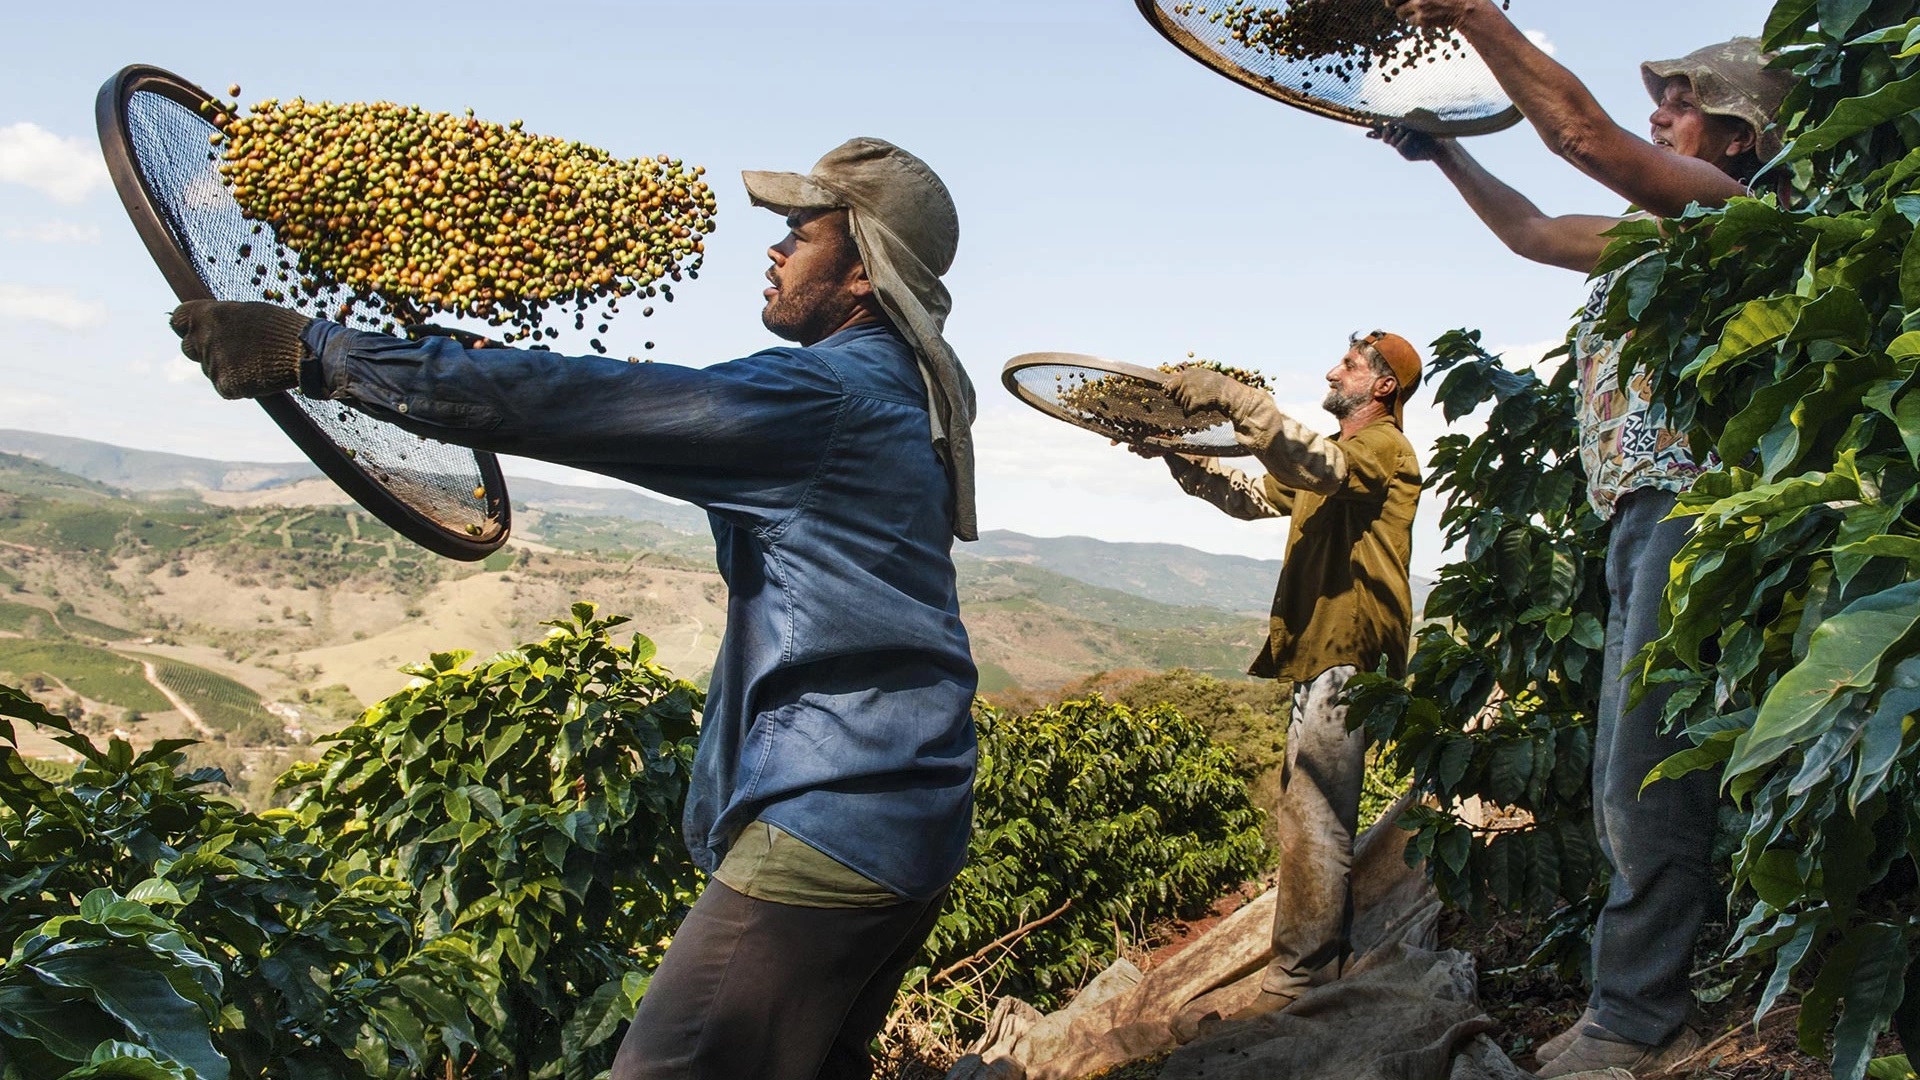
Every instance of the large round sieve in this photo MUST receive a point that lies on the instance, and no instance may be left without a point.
(448, 499)
(1351, 60)
(1121, 401)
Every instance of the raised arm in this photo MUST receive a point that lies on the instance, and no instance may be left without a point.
(1568, 118)
(1232, 491)
(1573, 241)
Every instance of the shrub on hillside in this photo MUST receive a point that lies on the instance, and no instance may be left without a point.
(1091, 818)
(469, 880)
(532, 803)
(151, 926)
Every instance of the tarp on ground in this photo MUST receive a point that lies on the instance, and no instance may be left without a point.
(1403, 1010)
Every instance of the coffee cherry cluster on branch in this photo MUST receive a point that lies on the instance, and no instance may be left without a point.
(416, 214)
(1134, 411)
(1335, 38)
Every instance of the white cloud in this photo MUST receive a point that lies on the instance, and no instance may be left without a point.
(64, 169)
(26, 409)
(1030, 446)
(54, 232)
(1533, 354)
(55, 307)
(1539, 39)
(171, 366)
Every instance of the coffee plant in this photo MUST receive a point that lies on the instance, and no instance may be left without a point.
(1498, 706)
(1090, 819)
(478, 876)
(531, 803)
(157, 928)
(474, 879)
(1784, 339)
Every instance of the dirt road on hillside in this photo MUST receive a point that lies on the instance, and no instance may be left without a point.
(186, 710)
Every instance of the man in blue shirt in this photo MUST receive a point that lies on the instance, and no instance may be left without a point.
(832, 789)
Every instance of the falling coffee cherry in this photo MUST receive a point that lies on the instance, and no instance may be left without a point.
(414, 215)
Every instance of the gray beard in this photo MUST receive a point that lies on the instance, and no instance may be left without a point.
(1342, 405)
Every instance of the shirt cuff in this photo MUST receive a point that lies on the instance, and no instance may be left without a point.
(318, 379)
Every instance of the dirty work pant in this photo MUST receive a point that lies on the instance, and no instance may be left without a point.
(1659, 843)
(751, 988)
(1316, 817)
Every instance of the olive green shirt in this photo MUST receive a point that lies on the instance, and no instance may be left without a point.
(1343, 595)
(767, 863)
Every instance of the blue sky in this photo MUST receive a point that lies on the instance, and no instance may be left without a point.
(1115, 198)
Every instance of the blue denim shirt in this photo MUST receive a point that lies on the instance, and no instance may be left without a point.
(839, 708)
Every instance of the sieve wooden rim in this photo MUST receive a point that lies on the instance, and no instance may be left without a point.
(1186, 42)
(116, 144)
(1009, 378)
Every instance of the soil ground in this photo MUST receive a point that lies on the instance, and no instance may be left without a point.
(1534, 1004)
(1531, 1004)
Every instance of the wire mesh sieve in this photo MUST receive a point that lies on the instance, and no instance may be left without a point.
(1118, 400)
(1351, 60)
(448, 499)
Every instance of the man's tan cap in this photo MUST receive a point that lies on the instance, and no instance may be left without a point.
(881, 180)
(1729, 79)
(1400, 357)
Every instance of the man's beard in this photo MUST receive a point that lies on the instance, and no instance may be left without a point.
(805, 313)
(1343, 405)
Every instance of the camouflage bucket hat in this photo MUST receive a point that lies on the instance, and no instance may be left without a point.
(1729, 79)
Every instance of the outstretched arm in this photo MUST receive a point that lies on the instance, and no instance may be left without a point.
(1232, 491)
(1573, 241)
(1568, 119)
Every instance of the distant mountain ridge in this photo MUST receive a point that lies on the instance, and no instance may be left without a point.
(150, 470)
(1163, 573)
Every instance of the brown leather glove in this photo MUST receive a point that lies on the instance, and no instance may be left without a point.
(247, 348)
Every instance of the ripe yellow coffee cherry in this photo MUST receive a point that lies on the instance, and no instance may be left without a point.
(416, 215)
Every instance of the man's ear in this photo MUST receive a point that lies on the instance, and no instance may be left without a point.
(858, 283)
(1744, 139)
(1393, 388)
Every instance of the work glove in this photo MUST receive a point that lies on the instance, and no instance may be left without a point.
(1296, 455)
(247, 348)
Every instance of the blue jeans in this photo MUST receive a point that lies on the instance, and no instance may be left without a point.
(1659, 842)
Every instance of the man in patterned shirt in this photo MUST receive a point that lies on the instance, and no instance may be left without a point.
(1711, 128)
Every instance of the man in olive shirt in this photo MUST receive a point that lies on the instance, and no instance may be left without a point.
(1343, 605)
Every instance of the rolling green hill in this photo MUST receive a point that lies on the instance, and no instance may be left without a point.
(220, 702)
(626, 520)
(92, 672)
(295, 598)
